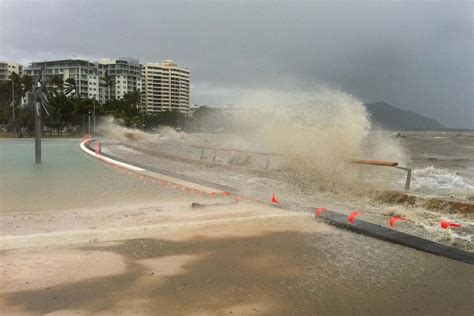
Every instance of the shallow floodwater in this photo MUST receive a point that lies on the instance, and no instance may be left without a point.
(66, 179)
(177, 153)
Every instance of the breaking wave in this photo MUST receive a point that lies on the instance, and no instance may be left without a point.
(112, 129)
(319, 137)
(431, 178)
(316, 139)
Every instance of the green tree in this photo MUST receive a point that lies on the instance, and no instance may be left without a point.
(174, 119)
(108, 84)
(27, 84)
(127, 109)
(11, 94)
(57, 83)
(61, 110)
(26, 121)
(71, 87)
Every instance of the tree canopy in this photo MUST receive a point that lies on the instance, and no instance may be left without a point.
(68, 111)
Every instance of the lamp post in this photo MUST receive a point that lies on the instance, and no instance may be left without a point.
(89, 129)
(37, 106)
(93, 118)
(13, 108)
(39, 102)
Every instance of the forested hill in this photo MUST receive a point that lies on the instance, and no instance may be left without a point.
(389, 117)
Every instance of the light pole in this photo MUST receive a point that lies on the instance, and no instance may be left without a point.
(93, 129)
(13, 108)
(39, 102)
(37, 106)
(89, 130)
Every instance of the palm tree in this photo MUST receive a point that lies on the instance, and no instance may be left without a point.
(27, 84)
(133, 98)
(17, 86)
(58, 84)
(71, 87)
(108, 84)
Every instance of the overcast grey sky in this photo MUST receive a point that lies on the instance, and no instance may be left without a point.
(416, 55)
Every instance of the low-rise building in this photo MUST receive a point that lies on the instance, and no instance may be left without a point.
(7, 68)
(86, 75)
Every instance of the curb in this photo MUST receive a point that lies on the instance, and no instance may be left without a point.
(87, 148)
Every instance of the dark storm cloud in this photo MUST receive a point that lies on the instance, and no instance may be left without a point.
(415, 55)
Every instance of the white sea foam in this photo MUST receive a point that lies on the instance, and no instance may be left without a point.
(432, 178)
(112, 129)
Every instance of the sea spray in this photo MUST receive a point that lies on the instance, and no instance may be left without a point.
(319, 137)
(111, 128)
(316, 139)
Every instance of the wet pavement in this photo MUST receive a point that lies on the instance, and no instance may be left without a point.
(279, 267)
(180, 160)
(227, 256)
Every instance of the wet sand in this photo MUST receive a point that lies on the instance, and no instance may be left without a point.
(292, 265)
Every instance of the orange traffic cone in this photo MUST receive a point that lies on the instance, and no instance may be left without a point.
(274, 199)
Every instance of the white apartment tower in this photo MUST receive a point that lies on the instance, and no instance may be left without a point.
(85, 74)
(165, 87)
(125, 75)
(7, 68)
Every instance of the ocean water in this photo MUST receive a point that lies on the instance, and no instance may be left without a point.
(442, 162)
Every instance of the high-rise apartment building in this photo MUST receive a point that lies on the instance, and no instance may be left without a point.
(7, 68)
(85, 74)
(165, 87)
(125, 76)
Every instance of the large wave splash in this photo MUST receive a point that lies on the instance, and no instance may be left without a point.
(316, 138)
(111, 128)
(319, 138)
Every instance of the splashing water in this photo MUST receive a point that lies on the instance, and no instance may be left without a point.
(111, 129)
(434, 179)
(318, 138)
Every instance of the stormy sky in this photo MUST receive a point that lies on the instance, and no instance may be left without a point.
(416, 55)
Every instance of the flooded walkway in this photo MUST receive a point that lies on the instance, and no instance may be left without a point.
(157, 253)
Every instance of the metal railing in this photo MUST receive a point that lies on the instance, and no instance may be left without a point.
(215, 150)
(387, 164)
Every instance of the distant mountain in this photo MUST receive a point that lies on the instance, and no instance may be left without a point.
(389, 117)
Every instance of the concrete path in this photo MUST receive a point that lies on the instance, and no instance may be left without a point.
(263, 265)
